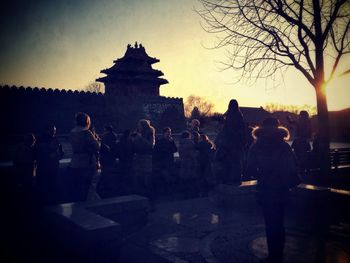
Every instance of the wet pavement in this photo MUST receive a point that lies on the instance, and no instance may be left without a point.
(208, 230)
(198, 230)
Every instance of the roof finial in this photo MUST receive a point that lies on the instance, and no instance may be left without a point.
(136, 46)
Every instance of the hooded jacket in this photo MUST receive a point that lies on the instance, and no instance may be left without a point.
(272, 162)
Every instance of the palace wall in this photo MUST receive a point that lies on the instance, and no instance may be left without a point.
(24, 110)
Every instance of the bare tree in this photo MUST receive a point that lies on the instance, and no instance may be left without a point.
(204, 106)
(264, 36)
(95, 87)
(273, 107)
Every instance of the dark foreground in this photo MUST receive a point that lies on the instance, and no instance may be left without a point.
(227, 226)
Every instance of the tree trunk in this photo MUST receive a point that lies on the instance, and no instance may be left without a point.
(323, 135)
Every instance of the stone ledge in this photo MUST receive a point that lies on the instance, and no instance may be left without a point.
(94, 231)
(79, 217)
(312, 208)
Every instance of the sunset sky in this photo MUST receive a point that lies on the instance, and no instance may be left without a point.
(64, 44)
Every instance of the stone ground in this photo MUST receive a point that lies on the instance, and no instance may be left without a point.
(198, 231)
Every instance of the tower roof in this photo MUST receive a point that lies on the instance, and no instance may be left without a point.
(135, 65)
(136, 52)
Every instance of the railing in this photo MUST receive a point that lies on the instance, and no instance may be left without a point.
(340, 157)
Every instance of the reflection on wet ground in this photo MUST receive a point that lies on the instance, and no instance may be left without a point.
(198, 231)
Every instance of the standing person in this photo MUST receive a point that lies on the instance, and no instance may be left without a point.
(250, 141)
(163, 162)
(195, 136)
(303, 125)
(108, 148)
(84, 163)
(24, 164)
(49, 152)
(315, 156)
(302, 150)
(272, 162)
(108, 180)
(195, 130)
(230, 143)
(143, 147)
(125, 155)
(109, 137)
(188, 175)
(206, 149)
(301, 143)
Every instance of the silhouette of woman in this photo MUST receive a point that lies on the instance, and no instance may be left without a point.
(272, 162)
(230, 143)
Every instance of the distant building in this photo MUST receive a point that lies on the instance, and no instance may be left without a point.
(133, 74)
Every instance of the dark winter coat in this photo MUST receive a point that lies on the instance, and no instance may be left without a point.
(125, 149)
(108, 151)
(303, 129)
(187, 156)
(163, 153)
(48, 152)
(205, 152)
(144, 143)
(24, 164)
(195, 132)
(232, 138)
(272, 162)
(109, 138)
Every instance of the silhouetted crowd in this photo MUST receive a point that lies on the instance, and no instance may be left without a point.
(139, 163)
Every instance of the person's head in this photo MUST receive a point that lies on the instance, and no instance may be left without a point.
(195, 123)
(233, 117)
(272, 129)
(303, 115)
(233, 106)
(82, 120)
(186, 135)
(167, 132)
(143, 125)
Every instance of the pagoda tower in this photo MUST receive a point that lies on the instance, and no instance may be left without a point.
(133, 74)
